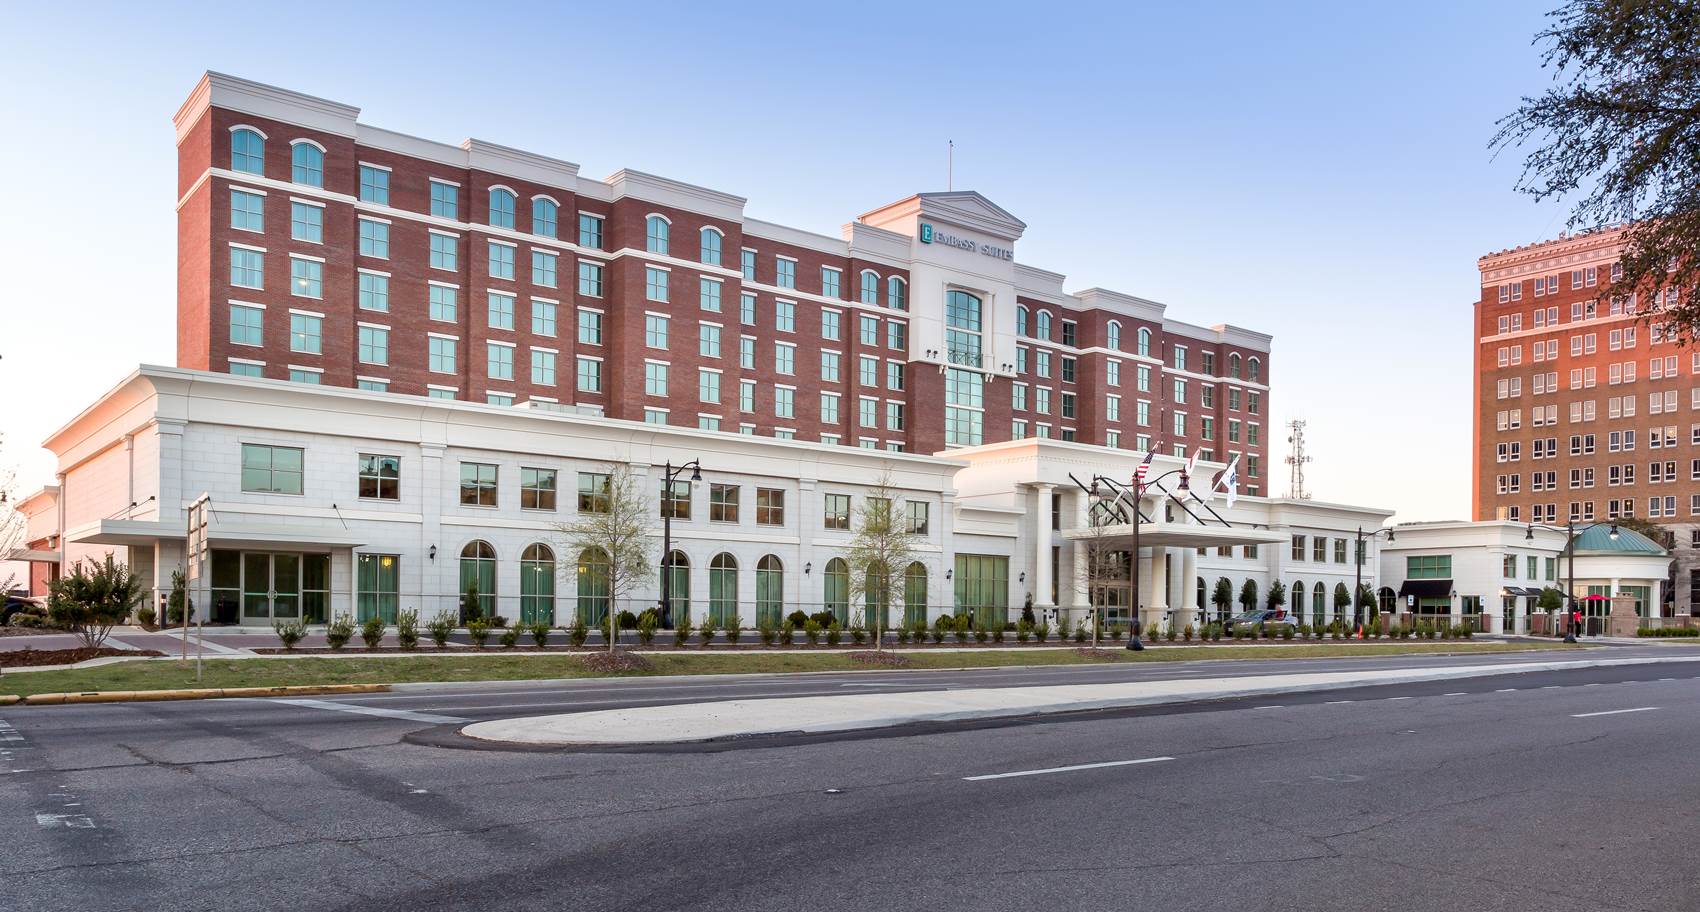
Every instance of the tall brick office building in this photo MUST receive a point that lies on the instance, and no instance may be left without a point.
(1583, 410)
(317, 248)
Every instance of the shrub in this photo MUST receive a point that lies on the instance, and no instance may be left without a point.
(647, 622)
(93, 598)
(339, 631)
(682, 631)
(539, 633)
(788, 633)
(145, 616)
(902, 636)
(1304, 631)
(1286, 631)
(811, 629)
(797, 618)
(960, 628)
(918, 630)
(734, 628)
(471, 606)
(407, 629)
(705, 630)
(823, 618)
(372, 632)
(654, 618)
(767, 632)
(289, 632)
(579, 632)
(178, 605)
(478, 632)
(858, 629)
(1186, 633)
(981, 635)
(1117, 631)
(997, 634)
(833, 634)
(510, 637)
(1023, 630)
(628, 620)
(1042, 631)
(1063, 629)
(440, 627)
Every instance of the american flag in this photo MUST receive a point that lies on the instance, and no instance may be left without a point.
(1143, 468)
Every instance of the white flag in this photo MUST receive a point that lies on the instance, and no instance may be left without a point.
(1230, 481)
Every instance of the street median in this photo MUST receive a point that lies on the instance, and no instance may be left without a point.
(207, 693)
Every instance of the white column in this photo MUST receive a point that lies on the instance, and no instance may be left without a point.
(1189, 587)
(435, 579)
(1041, 518)
(810, 512)
(1158, 603)
(947, 559)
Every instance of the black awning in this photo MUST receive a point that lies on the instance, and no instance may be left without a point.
(1426, 588)
(1523, 591)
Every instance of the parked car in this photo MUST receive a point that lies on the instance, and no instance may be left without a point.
(16, 602)
(1268, 617)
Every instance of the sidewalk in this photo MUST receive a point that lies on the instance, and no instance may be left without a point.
(684, 723)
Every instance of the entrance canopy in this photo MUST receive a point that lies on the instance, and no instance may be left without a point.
(142, 532)
(1427, 588)
(1179, 535)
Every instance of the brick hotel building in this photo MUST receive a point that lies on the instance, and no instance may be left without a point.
(316, 248)
(1583, 409)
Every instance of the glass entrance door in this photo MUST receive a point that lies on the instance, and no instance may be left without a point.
(271, 586)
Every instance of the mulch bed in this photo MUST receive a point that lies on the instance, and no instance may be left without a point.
(616, 662)
(1102, 655)
(880, 659)
(20, 658)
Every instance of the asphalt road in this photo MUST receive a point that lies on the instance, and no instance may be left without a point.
(1553, 791)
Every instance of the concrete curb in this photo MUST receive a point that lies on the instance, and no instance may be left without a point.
(715, 721)
(213, 693)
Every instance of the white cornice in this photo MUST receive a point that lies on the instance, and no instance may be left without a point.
(678, 194)
(796, 237)
(271, 102)
(499, 159)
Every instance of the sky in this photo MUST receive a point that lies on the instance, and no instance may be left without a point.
(1317, 171)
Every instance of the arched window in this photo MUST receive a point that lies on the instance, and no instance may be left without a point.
(723, 589)
(478, 572)
(915, 594)
(1020, 320)
(1144, 347)
(836, 593)
(676, 570)
(545, 216)
(870, 288)
(593, 586)
(876, 600)
(770, 590)
(711, 246)
(501, 207)
(1043, 331)
(896, 293)
(537, 585)
(307, 163)
(1296, 599)
(247, 151)
(1318, 603)
(1113, 336)
(655, 234)
(1234, 365)
(1202, 600)
(1253, 369)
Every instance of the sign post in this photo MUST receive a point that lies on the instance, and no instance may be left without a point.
(194, 564)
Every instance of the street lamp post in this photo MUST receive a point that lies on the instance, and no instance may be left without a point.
(1358, 557)
(1569, 529)
(1133, 554)
(667, 534)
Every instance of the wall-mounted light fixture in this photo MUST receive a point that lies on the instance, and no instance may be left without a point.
(433, 552)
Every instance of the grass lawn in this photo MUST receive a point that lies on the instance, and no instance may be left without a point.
(164, 675)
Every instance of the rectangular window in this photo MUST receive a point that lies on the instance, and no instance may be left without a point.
(477, 484)
(830, 321)
(747, 352)
(785, 316)
(247, 268)
(271, 469)
(306, 222)
(306, 333)
(445, 253)
(501, 310)
(380, 477)
(830, 282)
(708, 340)
(589, 327)
(770, 507)
(723, 501)
(870, 330)
(247, 211)
(501, 260)
(709, 295)
(915, 518)
(247, 325)
(542, 367)
(374, 345)
(589, 375)
(442, 355)
(655, 283)
(655, 331)
(374, 185)
(784, 402)
(829, 366)
(589, 231)
(708, 386)
(785, 272)
(747, 309)
(306, 278)
(444, 303)
(445, 200)
(374, 291)
(499, 361)
(837, 512)
(655, 379)
(374, 239)
(537, 489)
(829, 408)
(590, 279)
(542, 317)
(543, 269)
(594, 492)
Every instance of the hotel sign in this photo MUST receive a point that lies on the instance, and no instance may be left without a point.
(930, 236)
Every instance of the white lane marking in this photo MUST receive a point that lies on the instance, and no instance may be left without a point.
(70, 821)
(1595, 684)
(376, 711)
(1391, 699)
(1505, 690)
(1667, 679)
(1613, 712)
(1460, 693)
(1271, 706)
(1065, 769)
(1337, 702)
(875, 684)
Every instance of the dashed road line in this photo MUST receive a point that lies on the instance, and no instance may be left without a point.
(1613, 712)
(1065, 769)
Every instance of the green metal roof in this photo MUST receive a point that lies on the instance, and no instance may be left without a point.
(1597, 537)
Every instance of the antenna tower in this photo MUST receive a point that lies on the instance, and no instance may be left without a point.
(1297, 459)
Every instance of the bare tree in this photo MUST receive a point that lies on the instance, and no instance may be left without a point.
(615, 519)
(881, 552)
(14, 527)
(1106, 561)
